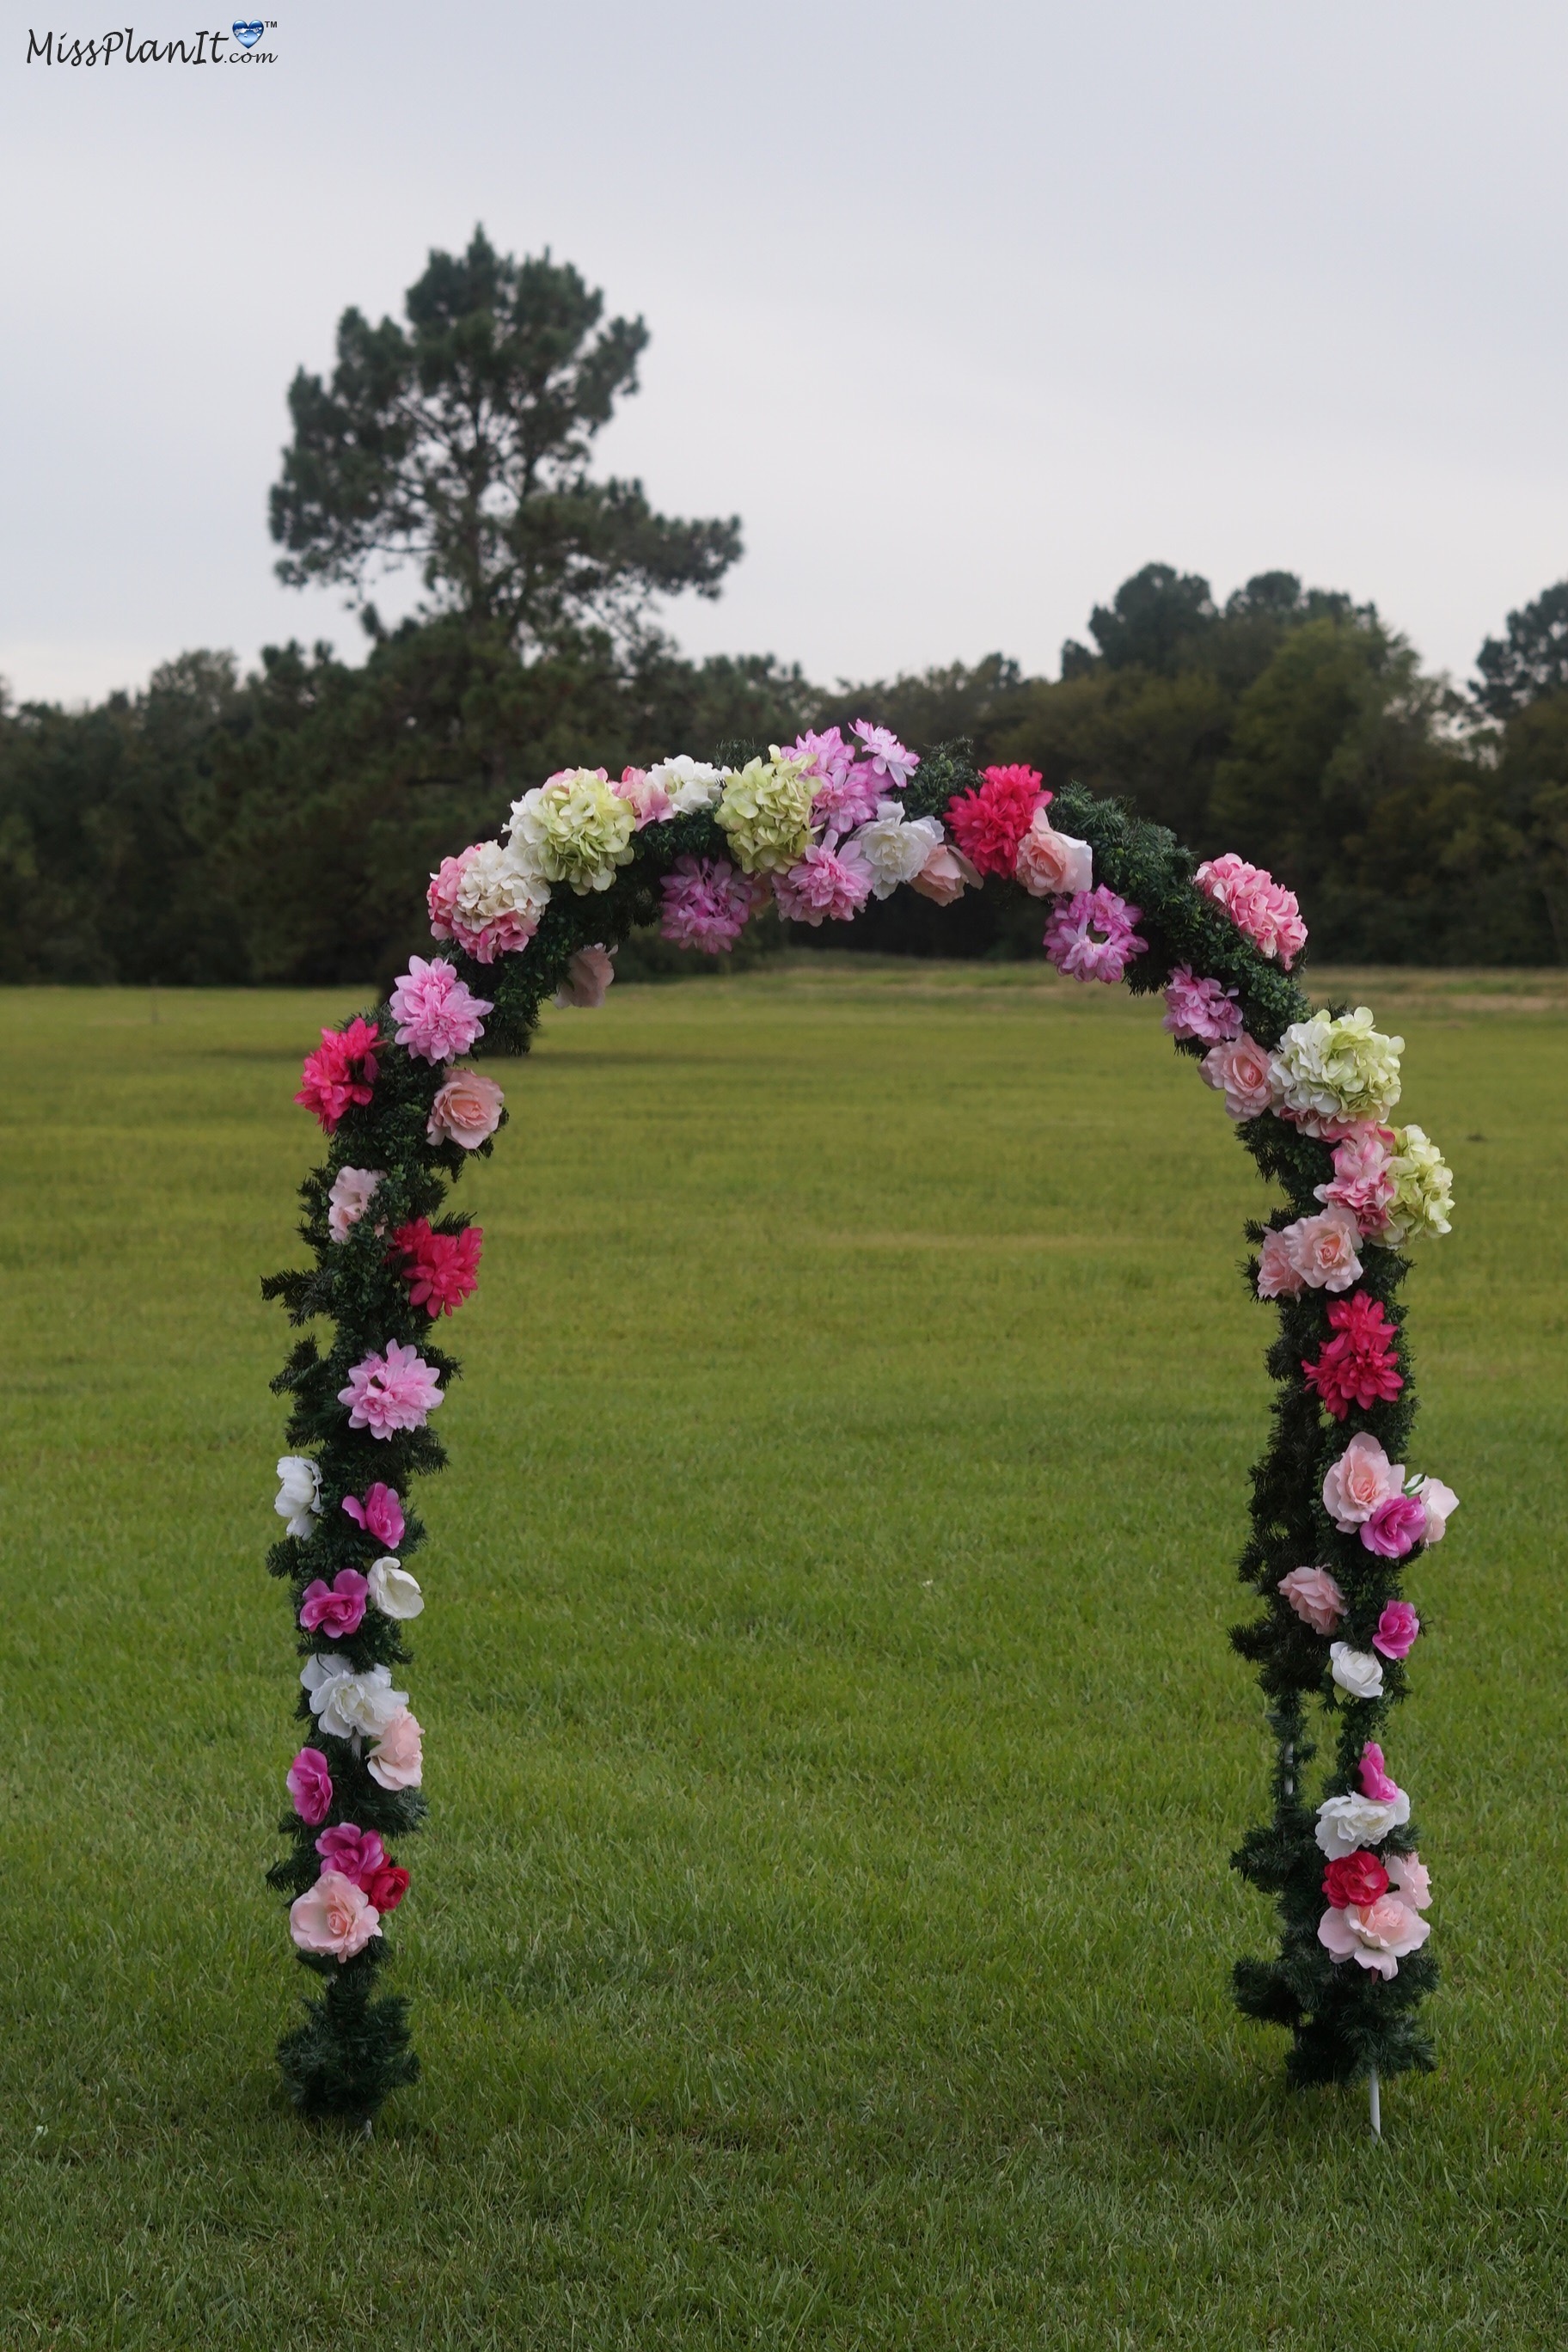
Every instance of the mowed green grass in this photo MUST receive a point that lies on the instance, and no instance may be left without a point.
(823, 1933)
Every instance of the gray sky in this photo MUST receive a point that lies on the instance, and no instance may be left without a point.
(966, 310)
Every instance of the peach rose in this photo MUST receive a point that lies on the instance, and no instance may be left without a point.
(1315, 1597)
(1276, 1278)
(1240, 1069)
(1378, 1935)
(335, 1917)
(1361, 1478)
(466, 1110)
(588, 978)
(1322, 1249)
(397, 1760)
(1051, 864)
(945, 875)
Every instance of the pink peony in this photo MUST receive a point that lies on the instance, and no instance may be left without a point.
(1277, 1276)
(1379, 1935)
(1091, 937)
(1395, 1528)
(825, 883)
(397, 1760)
(1397, 1627)
(334, 1918)
(946, 875)
(706, 905)
(1357, 1366)
(1322, 1249)
(1374, 1781)
(352, 1189)
(1052, 864)
(1358, 1482)
(1410, 1879)
(342, 1070)
(989, 824)
(651, 801)
(442, 1269)
(466, 1110)
(588, 978)
(380, 1514)
(437, 1015)
(358, 1854)
(397, 1390)
(1260, 908)
(310, 1783)
(1362, 1180)
(1438, 1502)
(1240, 1069)
(1315, 1597)
(336, 1609)
(887, 758)
(1203, 1009)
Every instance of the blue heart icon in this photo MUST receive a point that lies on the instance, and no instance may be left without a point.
(248, 34)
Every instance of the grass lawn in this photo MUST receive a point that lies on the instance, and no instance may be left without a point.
(824, 1930)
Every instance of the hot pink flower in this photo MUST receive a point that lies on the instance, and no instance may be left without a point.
(358, 1854)
(1397, 1628)
(1315, 1597)
(706, 905)
(887, 758)
(342, 1070)
(310, 1783)
(826, 882)
(588, 978)
(1410, 1879)
(334, 1918)
(1357, 1366)
(1374, 1781)
(1362, 1180)
(1203, 1009)
(1322, 1249)
(1379, 1935)
(989, 822)
(651, 801)
(466, 1110)
(1092, 936)
(945, 875)
(1276, 1278)
(1260, 908)
(1349, 1878)
(1240, 1067)
(1395, 1528)
(385, 1393)
(380, 1514)
(1362, 1480)
(336, 1609)
(437, 1015)
(442, 1268)
(397, 1760)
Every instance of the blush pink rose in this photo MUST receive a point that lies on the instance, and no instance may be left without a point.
(1363, 1479)
(309, 1782)
(466, 1110)
(1240, 1070)
(1322, 1249)
(1276, 1278)
(946, 875)
(1315, 1597)
(1410, 1879)
(397, 1760)
(335, 1917)
(1051, 864)
(1395, 1527)
(1397, 1627)
(1379, 1935)
(588, 978)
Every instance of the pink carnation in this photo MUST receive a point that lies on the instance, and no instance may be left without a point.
(1396, 1629)
(358, 1854)
(1241, 1070)
(1315, 1597)
(1362, 1180)
(310, 1782)
(1374, 1780)
(1092, 936)
(1379, 1935)
(380, 1514)
(1203, 1009)
(1393, 1530)
(1261, 909)
(825, 883)
(651, 801)
(1360, 1483)
(989, 822)
(342, 1070)
(706, 905)
(502, 934)
(826, 755)
(1277, 1276)
(886, 756)
(386, 1393)
(334, 1918)
(336, 1609)
(437, 1016)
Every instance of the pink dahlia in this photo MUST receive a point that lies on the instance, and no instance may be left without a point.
(990, 822)
(1203, 1009)
(340, 1071)
(336, 1609)
(386, 1393)
(886, 756)
(380, 1514)
(1363, 1180)
(826, 754)
(1261, 909)
(437, 1016)
(358, 1854)
(706, 905)
(1092, 936)
(1396, 1629)
(441, 1269)
(825, 883)
(1358, 1366)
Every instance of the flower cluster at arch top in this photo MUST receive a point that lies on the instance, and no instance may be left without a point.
(818, 829)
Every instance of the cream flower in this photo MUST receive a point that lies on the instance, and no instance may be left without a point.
(1332, 1075)
(573, 829)
(393, 1591)
(1423, 1189)
(1438, 1502)
(497, 882)
(894, 846)
(691, 784)
(299, 1494)
(1347, 1823)
(349, 1704)
(766, 812)
(1356, 1672)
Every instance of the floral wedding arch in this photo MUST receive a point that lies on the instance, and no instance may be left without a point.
(818, 829)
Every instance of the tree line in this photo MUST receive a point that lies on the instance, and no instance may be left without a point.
(217, 828)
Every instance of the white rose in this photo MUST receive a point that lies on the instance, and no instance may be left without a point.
(1356, 1671)
(393, 1591)
(1438, 1502)
(345, 1703)
(895, 847)
(300, 1494)
(1347, 1823)
(691, 783)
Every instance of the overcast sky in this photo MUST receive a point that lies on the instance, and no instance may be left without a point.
(968, 311)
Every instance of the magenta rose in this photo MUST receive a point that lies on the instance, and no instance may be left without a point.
(358, 1854)
(1396, 1629)
(1396, 1526)
(336, 1609)
(309, 1784)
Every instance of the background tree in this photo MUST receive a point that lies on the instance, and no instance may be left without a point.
(462, 442)
(1530, 659)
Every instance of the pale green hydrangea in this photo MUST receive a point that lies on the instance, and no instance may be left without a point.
(1423, 1188)
(573, 829)
(765, 809)
(1330, 1073)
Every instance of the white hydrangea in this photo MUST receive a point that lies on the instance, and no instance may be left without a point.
(299, 1494)
(1423, 1188)
(392, 1589)
(691, 783)
(895, 847)
(573, 829)
(349, 1704)
(496, 881)
(1330, 1073)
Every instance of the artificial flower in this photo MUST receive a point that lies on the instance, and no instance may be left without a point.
(1410, 1879)
(466, 1110)
(441, 1269)
(1395, 1527)
(1438, 1502)
(379, 1513)
(1346, 1822)
(588, 978)
(1205, 1010)
(348, 1704)
(1356, 1672)
(299, 1501)
(1363, 1181)
(357, 1853)
(1332, 1076)
(989, 822)
(397, 1760)
(393, 1591)
(691, 784)
(1052, 864)
(352, 1191)
(387, 1886)
(1396, 1629)
(336, 1610)
(895, 848)
(437, 1015)
(707, 904)
(945, 875)
(1277, 1275)
(396, 1390)
(1356, 1877)
(334, 1918)
(1363, 1479)
(1358, 1365)
(1322, 1249)
(310, 1783)
(1092, 936)
(1261, 909)
(1374, 1777)
(573, 828)
(886, 756)
(829, 881)
(846, 793)
(342, 1070)
(650, 804)
(1239, 1067)
(1378, 1935)
(765, 811)
(1315, 1597)
(487, 900)
(1423, 1189)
